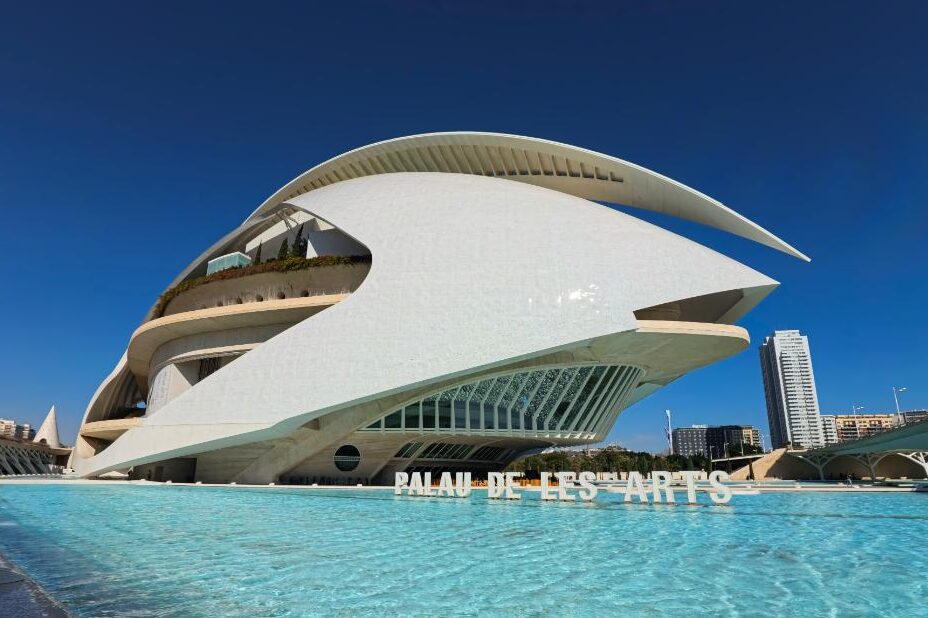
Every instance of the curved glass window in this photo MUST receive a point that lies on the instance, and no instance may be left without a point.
(577, 399)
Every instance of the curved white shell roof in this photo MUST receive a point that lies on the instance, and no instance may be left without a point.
(568, 169)
(468, 273)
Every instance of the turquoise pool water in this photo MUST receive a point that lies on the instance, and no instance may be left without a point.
(122, 550)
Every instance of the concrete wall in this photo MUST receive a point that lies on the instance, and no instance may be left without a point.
(332, 242)
(182, 470)
(777, 464)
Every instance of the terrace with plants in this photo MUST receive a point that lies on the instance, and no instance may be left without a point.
(289, 259)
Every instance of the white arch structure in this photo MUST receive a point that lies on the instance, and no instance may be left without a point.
(909, 442)
(510, 315)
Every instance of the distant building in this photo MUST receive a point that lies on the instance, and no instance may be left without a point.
(907, 418)
(847, 427)
(727, 438)
(789, 386)
(856, 426)
(690, 441)
(829, 429)
(15, 431)
(713, 440)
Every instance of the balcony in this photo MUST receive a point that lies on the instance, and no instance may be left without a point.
(293, 277)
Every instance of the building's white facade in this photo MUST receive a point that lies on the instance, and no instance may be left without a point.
(789, 387)
(480, 305)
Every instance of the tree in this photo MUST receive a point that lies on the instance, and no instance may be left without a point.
(284, 249)
(257, 258)
(299, 244)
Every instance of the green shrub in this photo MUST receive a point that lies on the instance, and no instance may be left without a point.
(299, 244)
(284, 250)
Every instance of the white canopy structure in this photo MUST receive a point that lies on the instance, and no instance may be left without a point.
(448, 318)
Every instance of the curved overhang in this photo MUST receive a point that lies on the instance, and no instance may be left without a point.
(151, 335)
(664, 350)
(568, 169)
(109, 429)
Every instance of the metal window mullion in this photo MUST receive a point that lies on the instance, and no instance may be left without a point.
(528, 400)
(615, 391)
(622, 376)
(613, 401)
(483, 400)
(586, 404)
(634, 376)
(611, 398)
(628, 377)
(502, 393)
(550, 392)
(606, 388)
(467, 406)
(451, 408)
(576, 398)
(574, 371)
(627, 391)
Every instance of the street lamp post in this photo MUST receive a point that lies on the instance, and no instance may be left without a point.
(855, 410)
(896, 391)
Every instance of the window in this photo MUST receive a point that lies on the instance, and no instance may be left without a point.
(489, 453)
(408, 450)
(569, 399)
(347, 458)
(208, 366)
(442, 450)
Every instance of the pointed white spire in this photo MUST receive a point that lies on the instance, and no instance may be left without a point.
(49, 430)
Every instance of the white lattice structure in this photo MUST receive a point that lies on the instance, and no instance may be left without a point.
(24, 458)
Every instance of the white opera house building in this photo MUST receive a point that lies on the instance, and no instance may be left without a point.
(443, 302)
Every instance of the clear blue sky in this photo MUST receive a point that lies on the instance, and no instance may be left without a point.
(133, 134)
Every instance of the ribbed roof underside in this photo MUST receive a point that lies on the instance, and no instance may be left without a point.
(556, 166)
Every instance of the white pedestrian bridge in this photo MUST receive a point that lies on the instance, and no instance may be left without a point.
(909, 442)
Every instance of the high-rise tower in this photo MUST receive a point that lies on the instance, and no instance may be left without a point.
(789, 385)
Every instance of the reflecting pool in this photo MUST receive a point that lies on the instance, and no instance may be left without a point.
(161, 550)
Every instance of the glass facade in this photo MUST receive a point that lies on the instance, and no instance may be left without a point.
(566, 400)
(224, 262)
